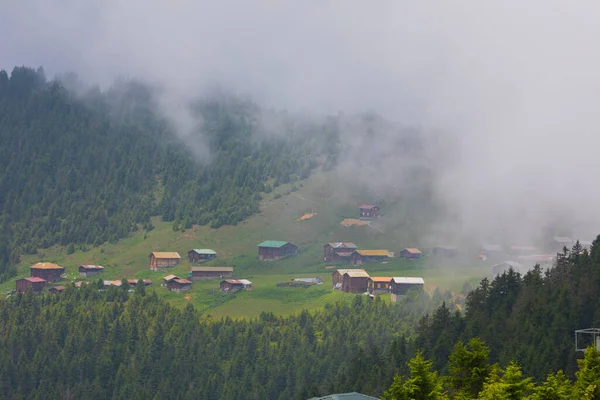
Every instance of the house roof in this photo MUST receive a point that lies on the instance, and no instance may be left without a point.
(374, 253)
(166, 254)
(79, 283)
(34, 279)
(204, 251)
(245, 281)
(412, 280)
(233, 281)
(182, 281)
(275, 244)
(381, 278)
(91, 266)
(170, 278)
(46, 265)
(356, 273)
(116, 283)
(212, 269)
(412, 250)
(59, 288)
(343, 271)
(563, 239)
(369, 206)
(345, 396)
(342, 245)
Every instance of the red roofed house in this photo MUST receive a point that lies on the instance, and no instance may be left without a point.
(369, 211)
(338, 251)
(34, 283)
(410, 254)
(166, 259)
(90, 270)
(235, 285)
(47, 271)
(379, 284)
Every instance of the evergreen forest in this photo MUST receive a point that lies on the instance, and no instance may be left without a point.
(514, 340)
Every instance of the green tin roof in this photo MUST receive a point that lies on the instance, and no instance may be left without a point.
(205, 251)
(273, 244)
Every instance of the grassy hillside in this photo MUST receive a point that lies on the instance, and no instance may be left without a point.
(237, 246)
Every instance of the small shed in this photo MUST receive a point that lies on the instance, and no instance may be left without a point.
(197, 255)
(338, 251)
(379, 284)
(179, 285)
(48, 271)
(354, 281)
(401, 285)
(368, 211)
(165, 259)
(500, 268)
(444, 251)
(34, 283)
(270, 250)
(56, 289)
(410, 253)
(90, 270)
(235, 285)
(204, 273)
(369, 256)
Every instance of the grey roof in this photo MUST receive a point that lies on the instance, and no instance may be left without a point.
(409, 280)
(346, 396)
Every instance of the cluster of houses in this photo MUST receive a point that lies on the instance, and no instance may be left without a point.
(359, 281)
(338, 252)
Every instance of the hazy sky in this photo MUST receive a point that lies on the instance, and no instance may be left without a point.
(519, 80)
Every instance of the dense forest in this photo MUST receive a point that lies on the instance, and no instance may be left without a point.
(90, 344)
(513, 339)
(81, 169)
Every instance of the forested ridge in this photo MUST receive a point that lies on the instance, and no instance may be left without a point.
(84, 169)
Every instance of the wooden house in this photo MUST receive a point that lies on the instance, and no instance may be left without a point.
(410, 253)
(90, 270)
(48, 271)
(337, 277)
(270, 250)
(159, 260)
(558, 243)
(369, 256)
(444, 251)
(379, 284)
(56, 289)
(198, 255)
(338, 251)
(176, 284)
(204, 273)
(401, 285)
(134, 282)
(34, 283)
(235, 285)
(369, 211)
(354, 281)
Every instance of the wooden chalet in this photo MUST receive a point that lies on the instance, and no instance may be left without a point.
(401, 285)
(410, 253)
(337, 277)
(198, 255)
(354, 281)
(56, 289)
(275, 250)
(159, 260)
(204, 273)
(379, 284)
(369, 256)
(338, 251)
(48, 271)
(90, 270)
(444, 251)
(235, 285)
(177, 284)
(34, 283)
(369, 211)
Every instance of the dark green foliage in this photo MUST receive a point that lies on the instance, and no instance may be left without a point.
(89, 170)
(86, 343)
